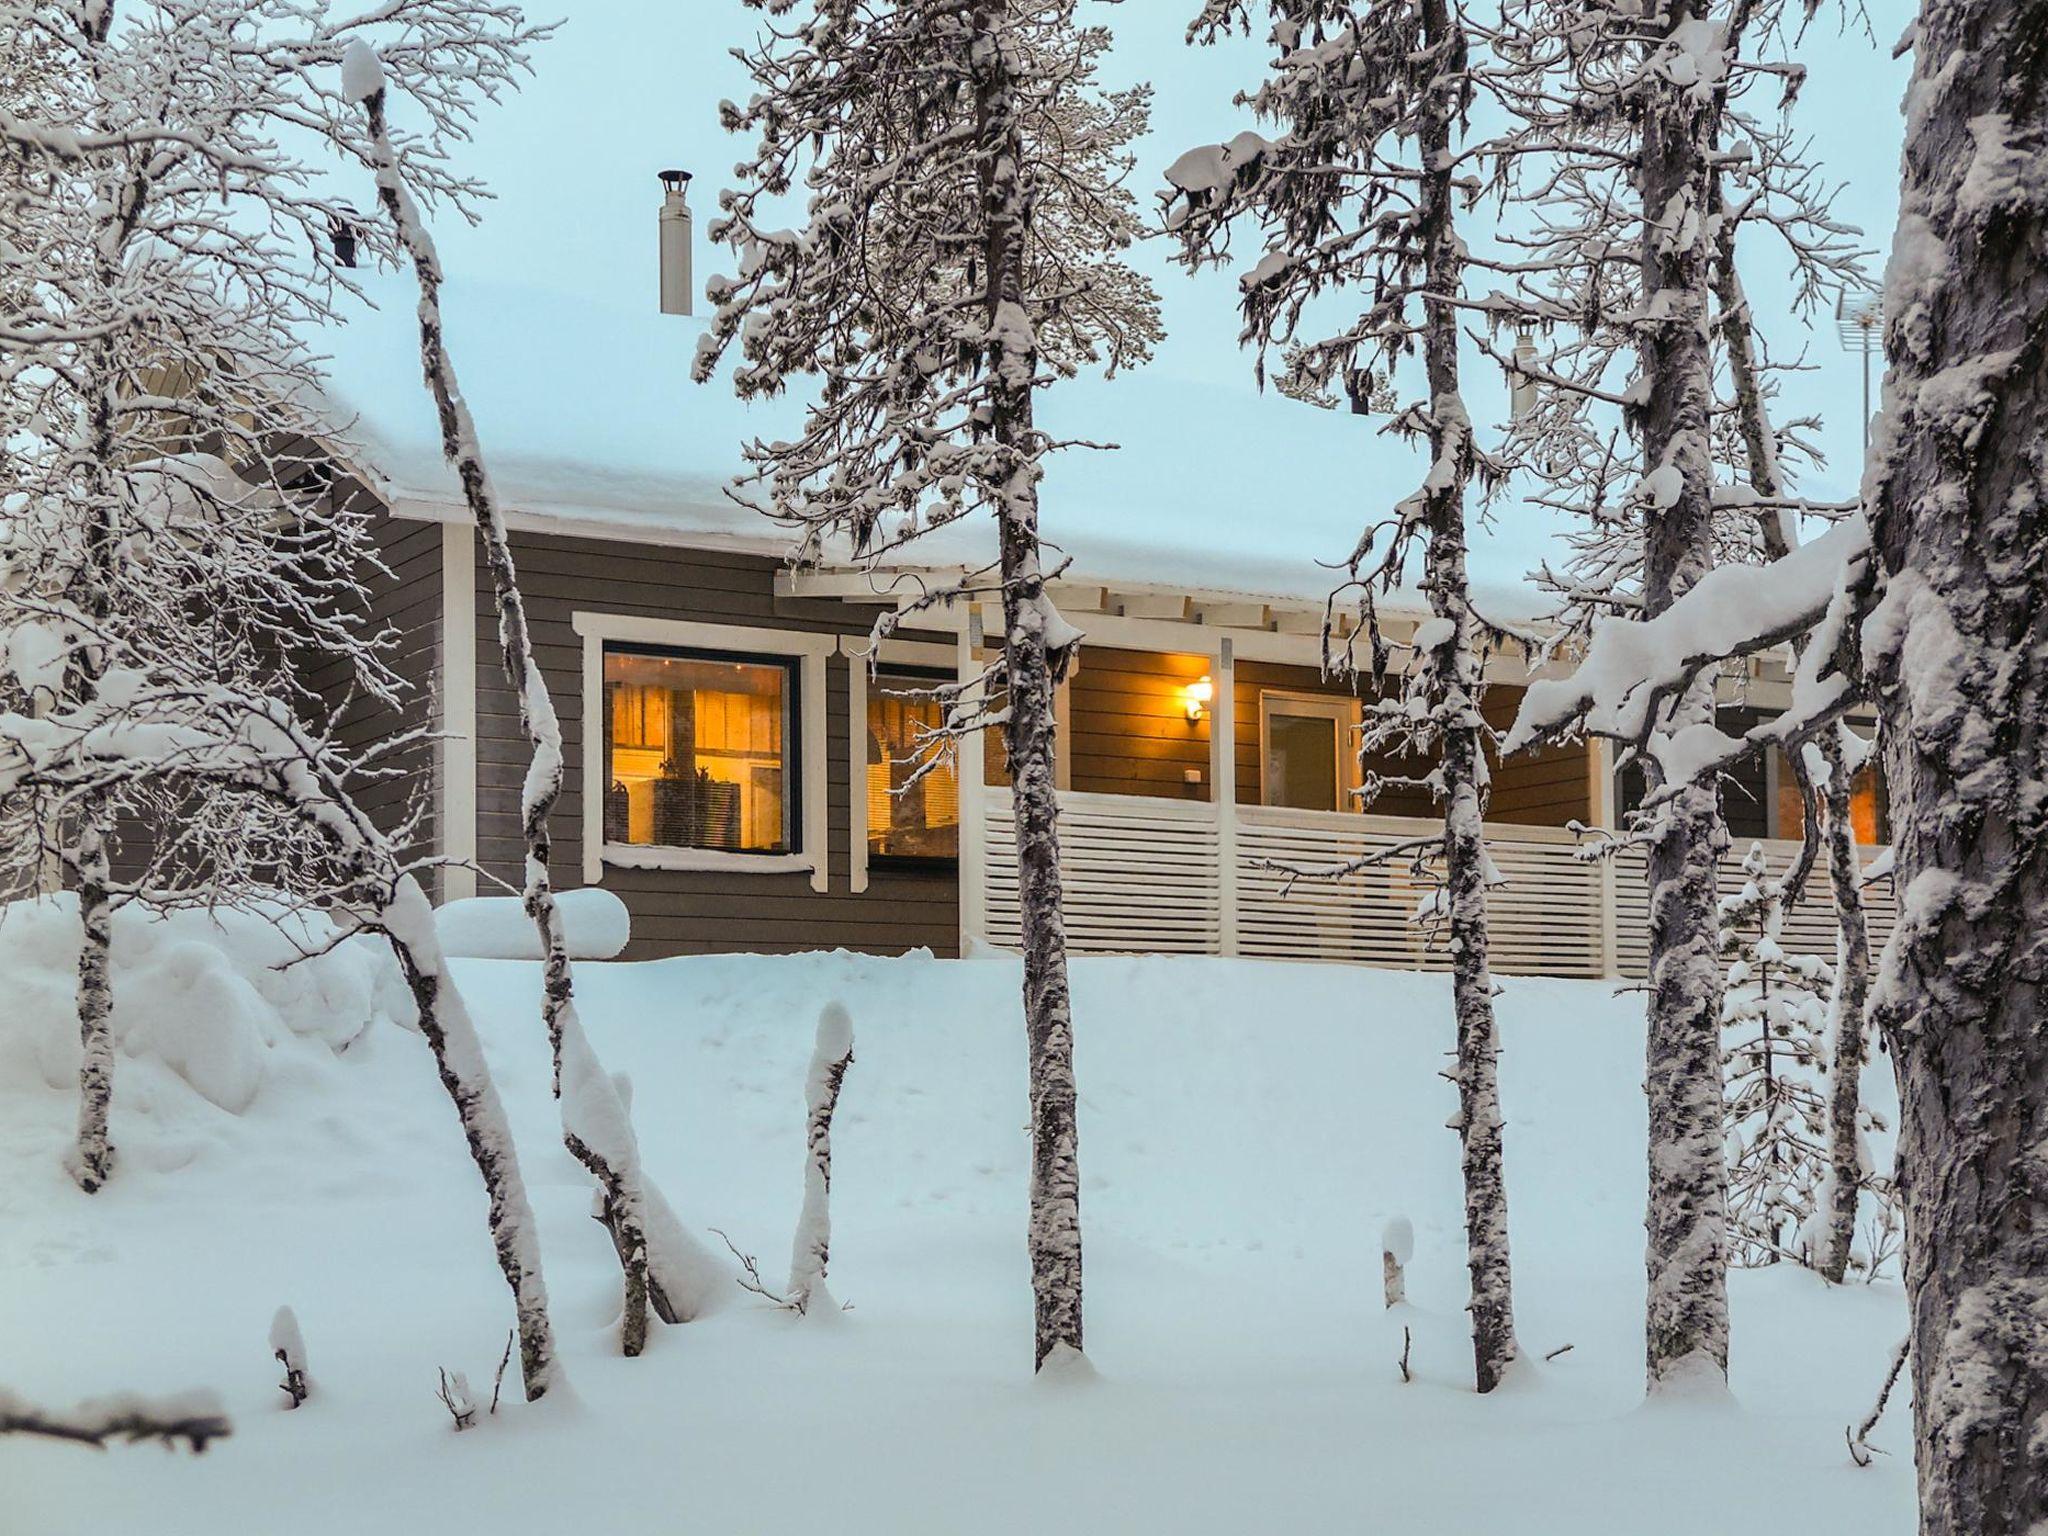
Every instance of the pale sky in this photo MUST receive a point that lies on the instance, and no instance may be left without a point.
(630, 86)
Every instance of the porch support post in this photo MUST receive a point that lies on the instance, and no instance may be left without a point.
(973, 825)
(1603, 810)
(1223, 792)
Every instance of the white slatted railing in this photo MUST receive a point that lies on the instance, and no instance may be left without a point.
(1145, 875)
(1140, 874)
(1809, 927)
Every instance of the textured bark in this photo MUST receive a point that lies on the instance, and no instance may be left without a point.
(1850, 1019)
(1455, 685)
(1029, 669)
(618, 1176)
(92, 1160)
(1958, 647)
(1687, 1217)
(458, 1056)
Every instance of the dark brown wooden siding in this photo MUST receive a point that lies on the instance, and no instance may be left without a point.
(1128, 726)
(1546, 788)
(686, 911)
(408, 599)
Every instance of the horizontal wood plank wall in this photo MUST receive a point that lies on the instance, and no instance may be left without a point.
(1130, 731)
(686, 911)
(1548, 787)
(409, 600)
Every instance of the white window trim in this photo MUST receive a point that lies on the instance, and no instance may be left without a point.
(1344, 710)
(807, 650)
(858, 652)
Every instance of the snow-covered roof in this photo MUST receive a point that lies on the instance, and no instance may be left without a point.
(582, 392)
(592, 424)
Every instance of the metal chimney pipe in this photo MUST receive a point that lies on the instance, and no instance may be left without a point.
(1522, 386)
(675, 243)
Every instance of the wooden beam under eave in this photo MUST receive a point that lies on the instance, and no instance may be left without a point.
(1149, 605)
(1233, 615)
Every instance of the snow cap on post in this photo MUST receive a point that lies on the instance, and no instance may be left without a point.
(362, 72)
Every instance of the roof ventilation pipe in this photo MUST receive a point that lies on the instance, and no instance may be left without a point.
(675, 243)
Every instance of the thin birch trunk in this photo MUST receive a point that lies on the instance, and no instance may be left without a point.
(1686, 1323)
(92, 1160)
(408, 923)
(1029, 733)
(591, 1111)
(1456, 687)
(1958, 645)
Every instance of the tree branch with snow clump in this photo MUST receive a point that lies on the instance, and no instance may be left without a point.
(195, 1418)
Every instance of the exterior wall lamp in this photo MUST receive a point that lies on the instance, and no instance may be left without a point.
(1199, 696)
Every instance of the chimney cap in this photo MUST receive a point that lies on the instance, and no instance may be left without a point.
(675, 181)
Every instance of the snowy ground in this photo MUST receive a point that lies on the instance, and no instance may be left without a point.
(1246, 1130)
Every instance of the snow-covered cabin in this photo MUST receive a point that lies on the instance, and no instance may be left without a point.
(736, 775)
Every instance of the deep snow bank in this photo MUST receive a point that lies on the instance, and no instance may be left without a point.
(1247, 1131)
(203, 1001)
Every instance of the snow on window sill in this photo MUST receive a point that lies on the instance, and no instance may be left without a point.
(647, 856)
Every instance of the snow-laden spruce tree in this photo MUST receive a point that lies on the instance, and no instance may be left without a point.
(661, 1263)
(1774, 1022)
(959, 249)
(1958, 654)
(1361, 192)
(162, 247)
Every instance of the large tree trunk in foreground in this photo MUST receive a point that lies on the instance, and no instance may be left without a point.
(1029, 662)
(1959, 502)
(1686, 1327)
(1455, 687)
(1850, 1009)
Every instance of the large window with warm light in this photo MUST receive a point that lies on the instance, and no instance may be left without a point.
(699, 750)
(911, 815)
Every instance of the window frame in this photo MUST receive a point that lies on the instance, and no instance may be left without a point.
(922, 672)
(1345, 711)
(804, 654)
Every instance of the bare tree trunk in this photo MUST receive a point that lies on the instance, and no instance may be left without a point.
(92, 1159)
(1455, 685)
(408, 922)
(1687, 1218)
(1850, 1010)
(1958, 492)
(1031, 670)
(596, 1140)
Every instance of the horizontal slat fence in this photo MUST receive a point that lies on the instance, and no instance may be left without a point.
(1145, 875)
(1809, 926)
